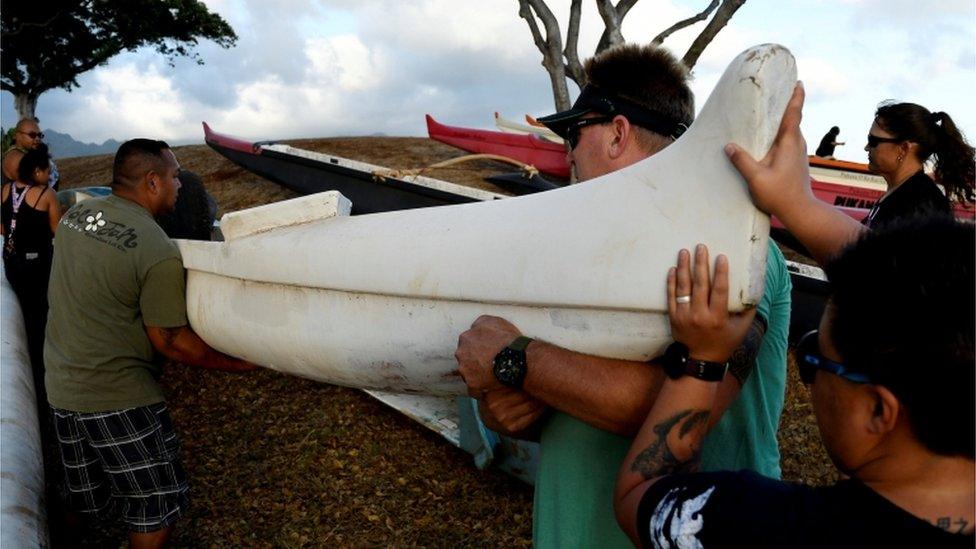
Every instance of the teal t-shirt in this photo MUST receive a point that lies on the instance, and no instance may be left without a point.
(578, 463)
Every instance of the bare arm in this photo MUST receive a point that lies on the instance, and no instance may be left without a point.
(182, 344)
(512, 412)
(610, 394)
(50, 199)
(10, 162)
(780, 186)
(670, 440)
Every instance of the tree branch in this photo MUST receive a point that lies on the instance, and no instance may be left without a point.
(574, 69)
(525, 12)
(722, 16)
(685, 23)
(611, 22)
(551, 47)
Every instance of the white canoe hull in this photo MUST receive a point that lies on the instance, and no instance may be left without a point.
(378, 301)
(23, 518)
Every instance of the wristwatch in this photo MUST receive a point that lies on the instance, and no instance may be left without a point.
(510, 364)
(677, 363)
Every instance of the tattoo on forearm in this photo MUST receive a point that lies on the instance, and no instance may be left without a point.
(658, 459)
(946, 523)
(743, 359)
(169, 334)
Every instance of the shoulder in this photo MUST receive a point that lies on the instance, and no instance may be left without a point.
(777, 275)
(713, 506)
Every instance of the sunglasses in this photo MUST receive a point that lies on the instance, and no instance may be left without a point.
(573, 131)
(34, 135)
(875, 140)
(809, 359)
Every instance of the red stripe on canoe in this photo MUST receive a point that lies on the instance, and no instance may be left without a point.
(229, 142)
(547, 157)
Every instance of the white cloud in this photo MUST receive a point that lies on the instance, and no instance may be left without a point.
(339, 67)
(822, 78)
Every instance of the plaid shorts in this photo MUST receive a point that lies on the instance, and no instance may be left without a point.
(128, 460)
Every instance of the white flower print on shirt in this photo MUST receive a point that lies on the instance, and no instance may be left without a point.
(95, 222)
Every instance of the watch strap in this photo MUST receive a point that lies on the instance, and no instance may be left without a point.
(705, 370)
(520, 343)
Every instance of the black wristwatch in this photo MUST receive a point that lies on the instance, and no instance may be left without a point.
(510, 364)
(677, 363)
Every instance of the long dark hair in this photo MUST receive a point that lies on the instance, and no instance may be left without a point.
(937, 136)
(37, 158)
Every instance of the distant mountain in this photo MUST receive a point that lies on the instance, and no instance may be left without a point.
(63, 145)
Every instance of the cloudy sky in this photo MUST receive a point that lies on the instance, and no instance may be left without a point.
(316, 68)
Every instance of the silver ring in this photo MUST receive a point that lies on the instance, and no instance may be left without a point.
(682, 299)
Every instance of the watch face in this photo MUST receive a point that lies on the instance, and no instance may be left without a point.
(675, 358)
(509, 367)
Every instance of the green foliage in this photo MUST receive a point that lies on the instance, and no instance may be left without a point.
(7, 140)
(46, 44)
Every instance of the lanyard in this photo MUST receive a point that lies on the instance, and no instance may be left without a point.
(16, 202)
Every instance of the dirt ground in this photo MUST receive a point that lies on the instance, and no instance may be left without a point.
(278, 461)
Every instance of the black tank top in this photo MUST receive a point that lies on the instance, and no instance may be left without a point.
(33, 231)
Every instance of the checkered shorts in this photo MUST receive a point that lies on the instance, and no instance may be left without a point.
(128, 460)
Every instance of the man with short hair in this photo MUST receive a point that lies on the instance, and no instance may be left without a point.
(27, 136)
(117, 292)
(585, 409)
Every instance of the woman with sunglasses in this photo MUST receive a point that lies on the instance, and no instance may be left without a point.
(30, 214)
(903, 137)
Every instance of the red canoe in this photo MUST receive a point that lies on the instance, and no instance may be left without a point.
(850, 186)
(547, 157)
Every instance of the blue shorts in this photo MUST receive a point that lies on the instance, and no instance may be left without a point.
(125, 461)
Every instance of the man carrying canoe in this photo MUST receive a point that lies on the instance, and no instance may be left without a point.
(117, 293)
(585, 409)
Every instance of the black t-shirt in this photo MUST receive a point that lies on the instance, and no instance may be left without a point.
(918, 195)
(745, 509)
(826, 147)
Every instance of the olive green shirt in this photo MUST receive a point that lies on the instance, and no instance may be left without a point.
(114, 272)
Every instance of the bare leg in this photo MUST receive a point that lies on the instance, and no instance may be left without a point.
(150, 540)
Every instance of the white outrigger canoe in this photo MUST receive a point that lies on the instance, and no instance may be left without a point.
(510, 126)
(378, 301)
(23, 516)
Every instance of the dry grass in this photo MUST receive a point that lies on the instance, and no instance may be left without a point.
(277, 461)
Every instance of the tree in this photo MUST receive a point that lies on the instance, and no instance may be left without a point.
(563, 63)
(47, 44)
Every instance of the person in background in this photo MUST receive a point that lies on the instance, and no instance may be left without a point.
(30, 214)
(584, 408)
(827, 144)
(27, 136)
(117, 295)
(193, 216)
(903, 137)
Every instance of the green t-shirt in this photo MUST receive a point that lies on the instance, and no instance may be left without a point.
(114, 272)
(578, 463)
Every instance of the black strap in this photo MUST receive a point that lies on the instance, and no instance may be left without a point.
(44, 190)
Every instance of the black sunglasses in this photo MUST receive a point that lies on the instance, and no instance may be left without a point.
(809, 359)
(573, 130)
(875, 140)
(34, 135)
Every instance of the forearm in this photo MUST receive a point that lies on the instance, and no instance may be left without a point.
(610, 394)
(526, 432)
(183, 345)
(821, 228)
(668, 442)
